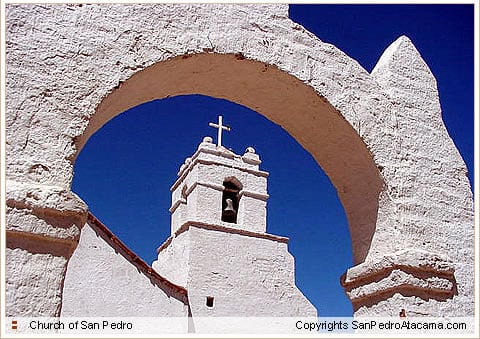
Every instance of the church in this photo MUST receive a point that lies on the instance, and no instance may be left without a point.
(218, 261)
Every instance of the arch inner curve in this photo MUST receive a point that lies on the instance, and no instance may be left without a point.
(283, 99)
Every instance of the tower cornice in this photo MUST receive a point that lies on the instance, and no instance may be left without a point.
(209, 154)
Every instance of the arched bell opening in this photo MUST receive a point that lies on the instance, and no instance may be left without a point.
(230, 200)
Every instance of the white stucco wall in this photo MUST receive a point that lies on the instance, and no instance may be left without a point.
(29, 291)
(432, 221)
(43, 225)
(173, 260)
(101, 282)
(248, 275)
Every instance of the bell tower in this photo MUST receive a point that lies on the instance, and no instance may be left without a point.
(218, 187)
(219, 249)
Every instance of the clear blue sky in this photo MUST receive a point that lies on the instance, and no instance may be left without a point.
(126, 169)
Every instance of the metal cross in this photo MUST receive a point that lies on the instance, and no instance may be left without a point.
(221, 128)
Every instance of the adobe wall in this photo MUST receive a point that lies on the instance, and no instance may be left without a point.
(379, 137)
(257, 282)
(102, 281)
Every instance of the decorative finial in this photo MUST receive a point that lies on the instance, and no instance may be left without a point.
(250, 150)
(220, 127)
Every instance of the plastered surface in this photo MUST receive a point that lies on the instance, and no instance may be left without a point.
(259, 280)
(101, 282)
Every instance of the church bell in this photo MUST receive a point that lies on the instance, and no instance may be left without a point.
(229, 210)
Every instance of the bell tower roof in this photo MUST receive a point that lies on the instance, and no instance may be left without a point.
(208, 151)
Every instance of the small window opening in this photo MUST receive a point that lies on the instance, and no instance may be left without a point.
(230, 199)
(209, 302)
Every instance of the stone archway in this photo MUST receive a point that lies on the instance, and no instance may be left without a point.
(392, 175)
(277, 96)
